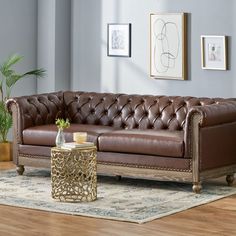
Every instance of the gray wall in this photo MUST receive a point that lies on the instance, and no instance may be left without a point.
(92, 70)
(54, 22)
(41, 30)
(18, 27)
(86, 45)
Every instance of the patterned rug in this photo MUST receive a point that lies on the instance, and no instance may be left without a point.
(129, 200)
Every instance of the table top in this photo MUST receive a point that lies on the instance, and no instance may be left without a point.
(80, 148)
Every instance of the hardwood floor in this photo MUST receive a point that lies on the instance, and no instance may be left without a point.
(216, 218)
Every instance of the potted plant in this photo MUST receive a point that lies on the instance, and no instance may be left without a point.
(8, 78)
(61, 125)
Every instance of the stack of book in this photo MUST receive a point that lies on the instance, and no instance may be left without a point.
(77, 145)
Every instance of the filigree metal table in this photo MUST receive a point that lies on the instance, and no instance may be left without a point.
(74, 174)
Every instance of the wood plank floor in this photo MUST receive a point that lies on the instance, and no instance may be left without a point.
(216, 218)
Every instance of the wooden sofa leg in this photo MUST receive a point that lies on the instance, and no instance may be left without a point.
(197, 187)
(20, 169)
(230, 179)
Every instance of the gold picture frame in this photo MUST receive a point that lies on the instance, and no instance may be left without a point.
(168, 46)
(214, 52)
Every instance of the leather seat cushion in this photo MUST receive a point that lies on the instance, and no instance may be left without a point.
(149, 142)
(45, 135)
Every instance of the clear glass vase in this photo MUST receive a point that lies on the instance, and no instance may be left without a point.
(60, 138)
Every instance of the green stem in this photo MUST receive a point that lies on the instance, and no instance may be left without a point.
(2, 97)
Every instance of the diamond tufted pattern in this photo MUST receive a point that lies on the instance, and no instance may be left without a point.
(161, 132)
(131, 111)
(40, 109)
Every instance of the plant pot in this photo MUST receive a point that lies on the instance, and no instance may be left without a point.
(6, 151)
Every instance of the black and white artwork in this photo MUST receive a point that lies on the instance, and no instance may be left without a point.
(213, 49)
(167, 47)
(119, 40)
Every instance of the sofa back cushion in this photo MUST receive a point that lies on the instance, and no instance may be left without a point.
(131, 111)
(39, 109)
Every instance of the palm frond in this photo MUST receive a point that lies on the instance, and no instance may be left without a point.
(38, 72)
(13, 59)
(6, 72)
(5, 122)
(2, 106)
(11, 80)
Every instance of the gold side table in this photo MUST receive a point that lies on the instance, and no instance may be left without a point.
(74, 174)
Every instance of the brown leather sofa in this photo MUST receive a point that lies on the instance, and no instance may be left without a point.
(155, 137)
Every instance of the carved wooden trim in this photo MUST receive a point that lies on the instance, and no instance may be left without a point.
(117, 164)
(144, 167)
(145, 173)
(156, 174)
(218, 172)
(35, 162)
(195, 121)
(16, 136)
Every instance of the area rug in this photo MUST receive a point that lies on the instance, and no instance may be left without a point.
(131, 200)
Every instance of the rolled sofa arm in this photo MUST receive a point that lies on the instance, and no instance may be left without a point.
(34, 110)
(210, 132)
(215, 114)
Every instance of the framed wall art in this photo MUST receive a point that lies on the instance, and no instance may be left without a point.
(119, 40)
(213, 50)
(168, 46)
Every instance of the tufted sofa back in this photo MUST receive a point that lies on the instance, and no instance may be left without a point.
(131, 111)
(38, 109)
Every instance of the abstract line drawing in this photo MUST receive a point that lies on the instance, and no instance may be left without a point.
(165, 58)
(167, 46)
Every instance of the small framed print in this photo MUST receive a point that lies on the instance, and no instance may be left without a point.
(119, 40)
(214, 55)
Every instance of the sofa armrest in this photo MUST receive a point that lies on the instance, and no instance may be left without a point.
(210, 133)
(215, 114)
(34, 110)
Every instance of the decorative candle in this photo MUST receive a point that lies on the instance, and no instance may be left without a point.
(80, 137)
